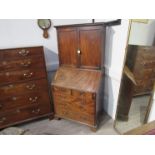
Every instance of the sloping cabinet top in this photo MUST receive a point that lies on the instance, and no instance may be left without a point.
(81, 45)
(78, 79)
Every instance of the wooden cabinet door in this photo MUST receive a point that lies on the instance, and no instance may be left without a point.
(68, 45)
(91, 43)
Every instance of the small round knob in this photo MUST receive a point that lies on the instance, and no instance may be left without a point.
(78, 52)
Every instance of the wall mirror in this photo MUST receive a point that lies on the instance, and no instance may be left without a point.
(44, 24)
(138, 77)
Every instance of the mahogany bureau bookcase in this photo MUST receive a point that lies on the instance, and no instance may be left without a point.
(78, 84)
(24, 93)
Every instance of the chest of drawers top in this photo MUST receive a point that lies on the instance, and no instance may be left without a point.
(21, 64)
(19, 53)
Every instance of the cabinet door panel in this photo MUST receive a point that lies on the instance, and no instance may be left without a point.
(91, 46)
(68, 45)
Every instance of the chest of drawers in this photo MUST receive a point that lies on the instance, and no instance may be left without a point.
(141, 61)
(24, 93)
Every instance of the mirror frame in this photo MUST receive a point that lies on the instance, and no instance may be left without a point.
(124, 61)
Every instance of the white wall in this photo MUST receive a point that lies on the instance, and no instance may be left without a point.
(19, 33)
(142, 34)
(115, 52)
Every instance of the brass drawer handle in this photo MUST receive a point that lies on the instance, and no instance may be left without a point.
(25, 64)
(18, 111)
(2, 120)
(7, 74)
(4, 63)
(10, 86)
(36, 111)
(33, 100)
(23, 52)
(28, 75)
(31, 87)
(147, 63)
(14, 98)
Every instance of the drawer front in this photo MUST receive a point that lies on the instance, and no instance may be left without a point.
(21, 52)
(28, 87)
(148, 64)
(74, 115)
(145, 74)
(79, 103)
(23, 75)
(61, 91)
(28, 63)
(146, 53)
(22, 114)
(78, 106)
(144, 64)
(144, 86)
(139, 90)
(28, 99)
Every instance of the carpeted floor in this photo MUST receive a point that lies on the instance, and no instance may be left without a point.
(66, 127)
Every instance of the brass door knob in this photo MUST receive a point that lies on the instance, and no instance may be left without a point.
(78, 52)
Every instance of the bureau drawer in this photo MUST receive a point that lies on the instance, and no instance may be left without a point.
(148, 64)
(145, 74)
(23, 88)
(146, 52)
(23, 75)
(23, 114)
(21, 52)
(140, 90)
(75, 115)
(33, 62)
(61, 91)
(15, 101)
(144, 86)
(77, 101)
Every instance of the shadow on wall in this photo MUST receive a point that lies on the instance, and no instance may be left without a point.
(108, 96)
(151, 34)
(51, 58)
(52, 63)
